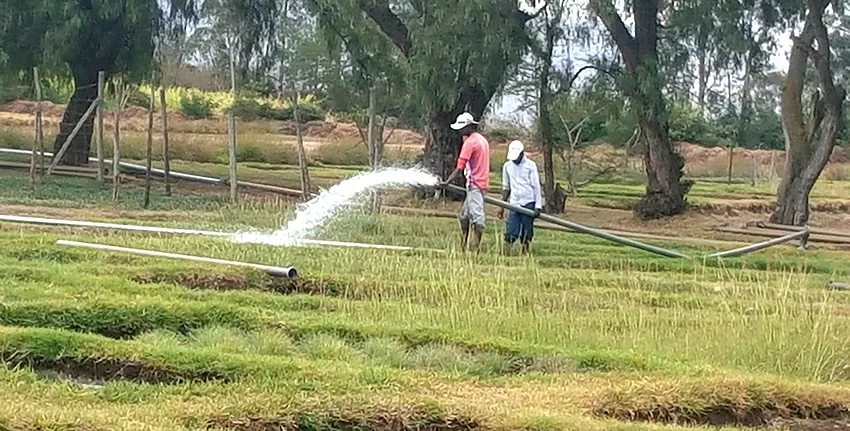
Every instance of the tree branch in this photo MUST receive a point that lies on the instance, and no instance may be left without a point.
(390, 24)
(604, 9)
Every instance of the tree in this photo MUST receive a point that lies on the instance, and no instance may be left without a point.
(452, 63)
(809, 137)
(82, 37)
(666, 189)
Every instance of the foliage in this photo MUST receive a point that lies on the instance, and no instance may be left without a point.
(195, 106)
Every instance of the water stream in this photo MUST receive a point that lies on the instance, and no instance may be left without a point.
(318, 211)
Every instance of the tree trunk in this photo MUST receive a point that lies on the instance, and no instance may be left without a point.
(554, 204)
(808, 141)
(665, 189)
(442, 147)
(84, 95)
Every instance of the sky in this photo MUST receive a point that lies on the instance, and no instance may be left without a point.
(507, 108)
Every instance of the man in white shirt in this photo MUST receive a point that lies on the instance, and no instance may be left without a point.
(520, 187)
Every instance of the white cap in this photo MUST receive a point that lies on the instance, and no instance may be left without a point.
(463, 120)
(514, 150)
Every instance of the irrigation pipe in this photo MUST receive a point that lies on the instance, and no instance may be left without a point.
(156, 229)
(178, 175)
(272, 270)
(578, 227)
(802, 235)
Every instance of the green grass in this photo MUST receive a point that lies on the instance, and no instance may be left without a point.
(584, 335)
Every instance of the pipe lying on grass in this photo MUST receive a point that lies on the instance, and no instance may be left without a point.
(156, 229)
(178, 175)
(271, 270)
(802, 235)
(577, 227)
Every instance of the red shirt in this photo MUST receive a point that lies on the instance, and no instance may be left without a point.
(474, 159)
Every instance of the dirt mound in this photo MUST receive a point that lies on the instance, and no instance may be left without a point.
(49, 109)
(696, 154)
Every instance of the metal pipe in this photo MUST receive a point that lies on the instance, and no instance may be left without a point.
(228, 235)
(179, 175)
(271, 270)
(760, 246)
(577, 227)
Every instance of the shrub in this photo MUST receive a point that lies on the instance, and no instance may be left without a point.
(8, 94)
(196, 106)
(342, 154)
(10, 138)
(138, 97)
(502, 131)
(249, 109)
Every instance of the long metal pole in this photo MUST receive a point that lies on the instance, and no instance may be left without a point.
(227, 235)
(178, 175)
(577, 227)
(762, 245)
(272, 270)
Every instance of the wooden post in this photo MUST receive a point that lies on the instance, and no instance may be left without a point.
(231, 129)
(302, 154)
(166, 156)
(149, 153)
(67, 144)
(39, 134)
(116, 137)
(772, 165)
(753, 169)
(731, 156)
(101, 79)
(373, 144)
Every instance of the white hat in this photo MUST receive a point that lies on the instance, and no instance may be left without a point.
(514, 150)
(463, 120)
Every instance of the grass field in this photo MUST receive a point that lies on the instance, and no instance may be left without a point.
(585, 335)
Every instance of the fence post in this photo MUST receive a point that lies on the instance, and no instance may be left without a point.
(101, 79)
(38, 145)
(166, 157)
(149, 153)
(302, 154)
(231, 126)
(67, 144)
(116, 137)
(731, 157)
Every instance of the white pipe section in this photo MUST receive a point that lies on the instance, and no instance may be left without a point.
(155, 229)
(132, 166)
(137, 168)
(761, 245)
(272, 270)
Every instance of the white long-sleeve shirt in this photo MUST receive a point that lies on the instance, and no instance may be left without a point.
(523, 180)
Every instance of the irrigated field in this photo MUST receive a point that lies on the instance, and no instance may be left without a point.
(585, 335)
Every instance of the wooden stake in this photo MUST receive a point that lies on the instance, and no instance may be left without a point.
(116, 139)
(101, 80)
(302, 154)
(731, 156)
(231, 126)
(772, 165)
(67, 144)
(149, 153)
(39, 135)
(166, 156)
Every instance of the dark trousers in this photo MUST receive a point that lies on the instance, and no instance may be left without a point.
(520, 226)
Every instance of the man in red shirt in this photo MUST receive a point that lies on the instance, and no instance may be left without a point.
(474, 163)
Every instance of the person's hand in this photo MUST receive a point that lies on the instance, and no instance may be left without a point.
(537, 212)
(441, 185)
(501, 214)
